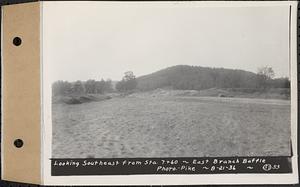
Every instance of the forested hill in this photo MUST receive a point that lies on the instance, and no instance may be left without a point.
(187, 77)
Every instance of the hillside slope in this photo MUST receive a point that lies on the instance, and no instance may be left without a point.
(186, 77)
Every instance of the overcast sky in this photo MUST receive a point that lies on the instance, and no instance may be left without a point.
(93, 40)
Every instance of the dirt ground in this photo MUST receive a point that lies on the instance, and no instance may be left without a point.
(171, 126)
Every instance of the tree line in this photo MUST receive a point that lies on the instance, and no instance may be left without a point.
(182, 77)
(82, 87)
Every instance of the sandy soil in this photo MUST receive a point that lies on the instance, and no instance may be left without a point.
(171, 127)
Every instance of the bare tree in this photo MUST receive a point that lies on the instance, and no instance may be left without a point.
(264, 74)
(128, 82)
(266, 71)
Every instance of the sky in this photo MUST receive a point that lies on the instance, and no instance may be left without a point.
(94, 40)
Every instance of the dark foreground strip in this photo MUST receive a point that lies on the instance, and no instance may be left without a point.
(189, 165)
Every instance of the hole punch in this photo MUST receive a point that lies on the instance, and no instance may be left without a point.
(17, 41)
(18, 143)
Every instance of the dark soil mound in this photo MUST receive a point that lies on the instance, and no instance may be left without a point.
(72, 101)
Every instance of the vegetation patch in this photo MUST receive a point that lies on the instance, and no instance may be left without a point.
(79, 99)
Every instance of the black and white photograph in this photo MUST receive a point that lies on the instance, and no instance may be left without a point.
(169, 80)
(156, 86)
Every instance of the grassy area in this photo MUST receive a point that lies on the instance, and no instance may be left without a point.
(171, 126)
(272, 93)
